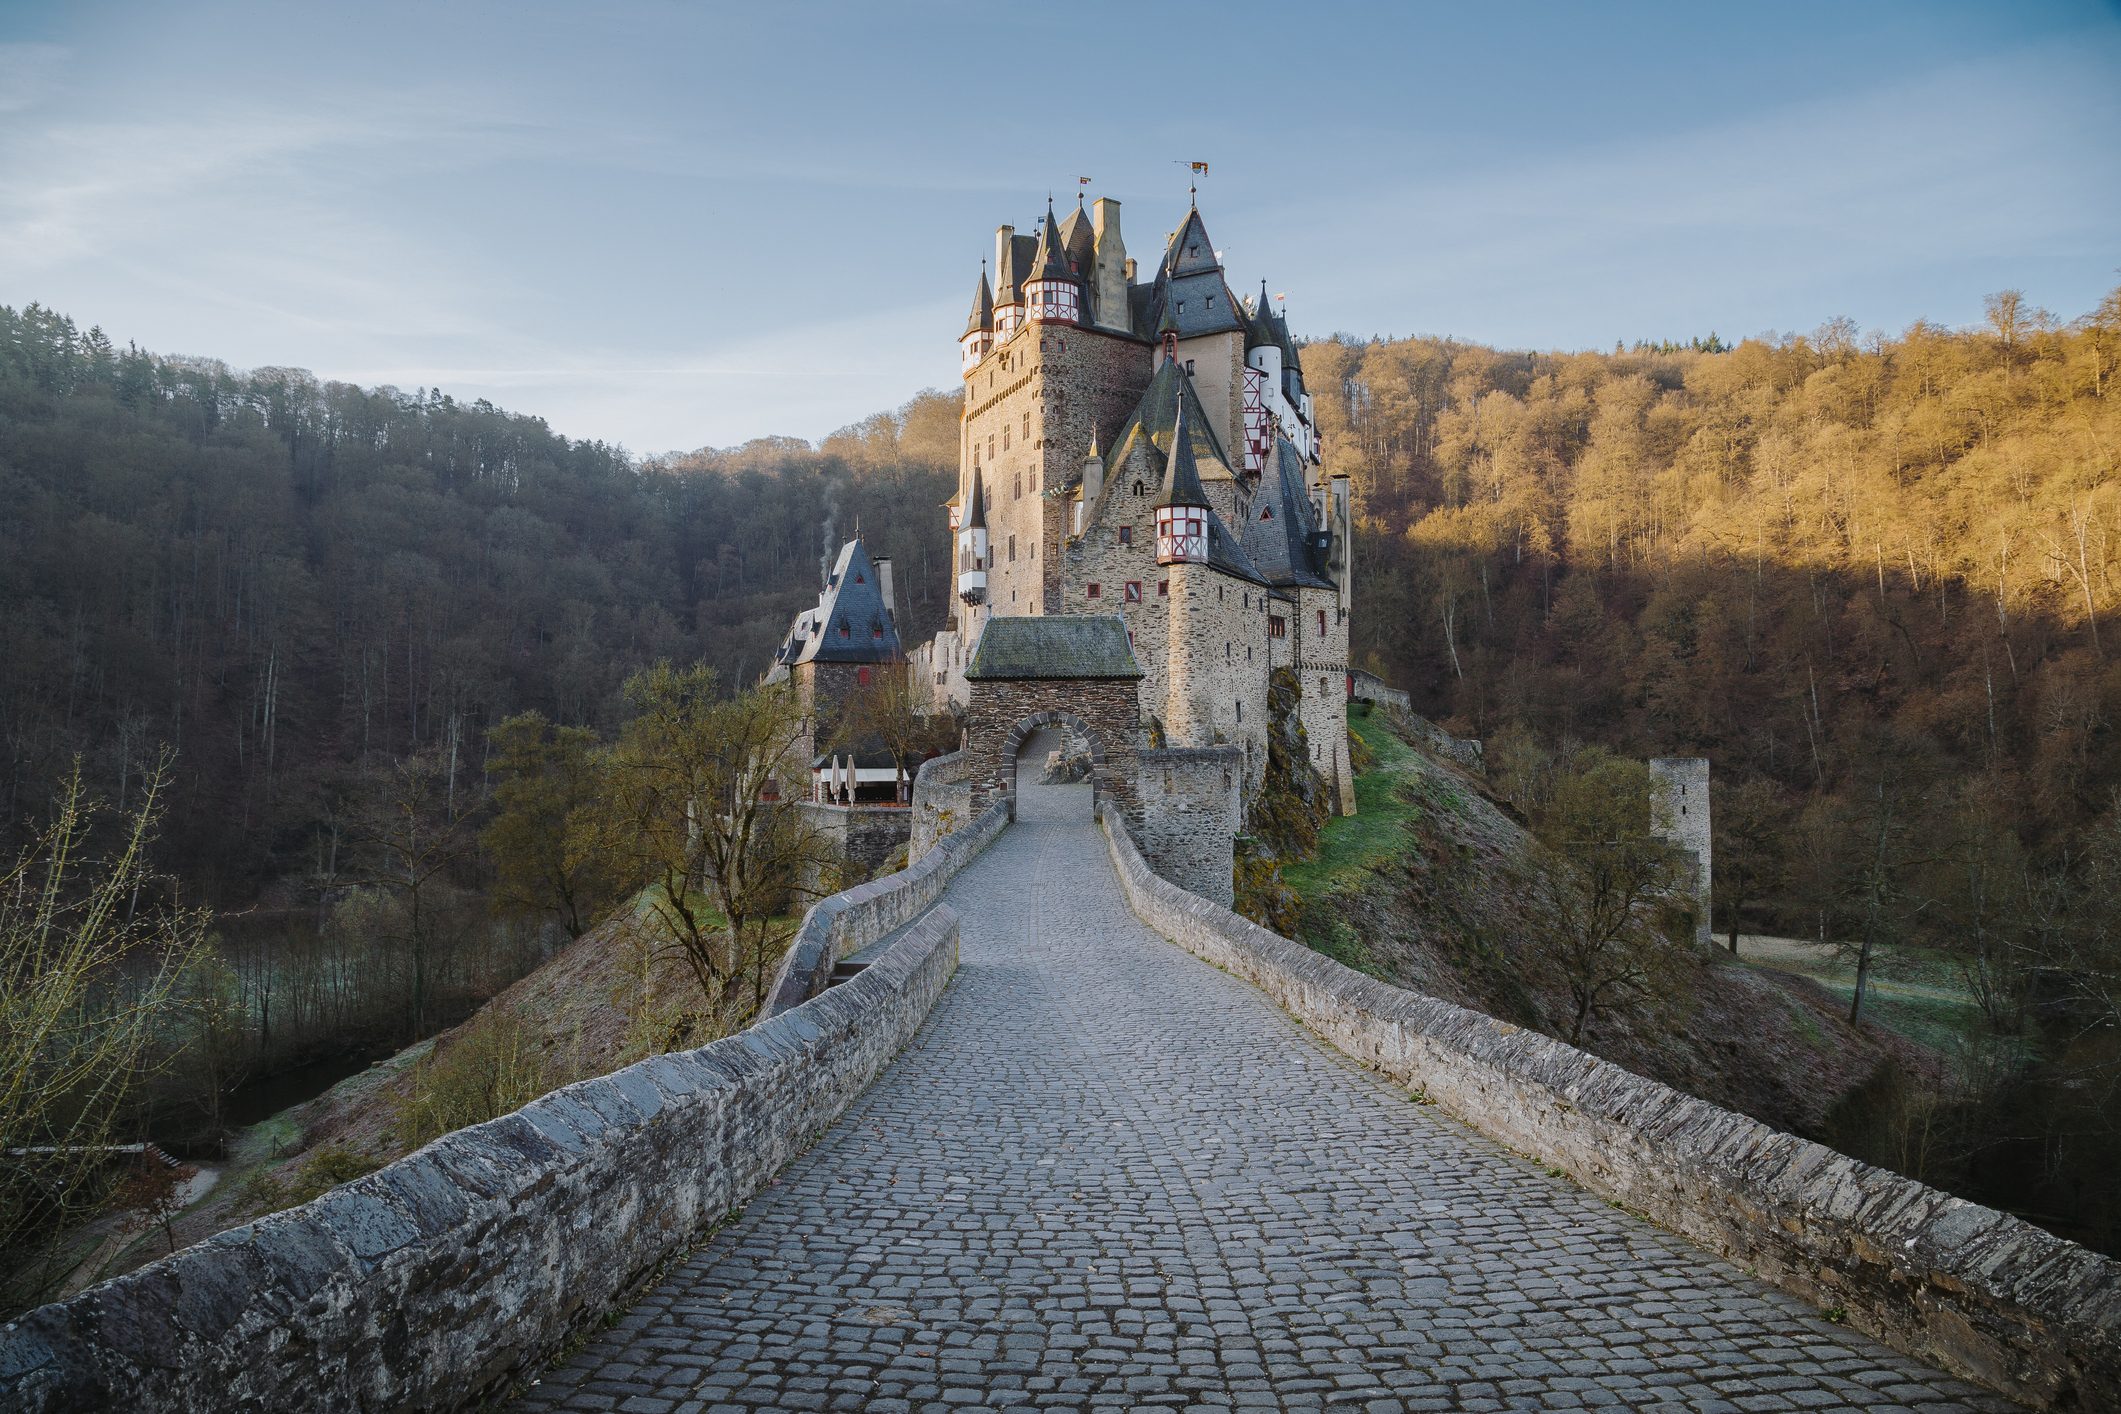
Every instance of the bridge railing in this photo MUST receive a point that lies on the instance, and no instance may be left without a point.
(854, 918)
(1983, 1294)
(431, 1283)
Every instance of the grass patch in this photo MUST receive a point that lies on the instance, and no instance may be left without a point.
(1350, 845)
(1914, 992)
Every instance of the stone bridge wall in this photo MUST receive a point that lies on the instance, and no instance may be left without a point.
(1976, 1291)
(432, 1282)
(942, 801)
(854, 918)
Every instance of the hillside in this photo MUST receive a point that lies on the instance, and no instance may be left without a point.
(1430, 887)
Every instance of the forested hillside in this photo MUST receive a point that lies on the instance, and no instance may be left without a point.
(1799, 557)
(1875, 582)
(294, 585)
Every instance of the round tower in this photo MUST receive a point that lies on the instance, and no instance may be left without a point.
(1054, 293)
(978, 338)
(972, 546)
(1182, 548)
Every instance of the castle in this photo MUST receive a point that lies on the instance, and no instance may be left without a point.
(1145, 448)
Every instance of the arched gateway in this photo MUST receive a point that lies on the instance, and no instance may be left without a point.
(1076, 672)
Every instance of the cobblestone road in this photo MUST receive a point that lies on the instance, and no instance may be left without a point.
(1106, 1175)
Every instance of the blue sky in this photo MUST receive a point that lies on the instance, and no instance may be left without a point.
(674, 225)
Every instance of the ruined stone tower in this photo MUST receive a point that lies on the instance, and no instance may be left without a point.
(1682, 817)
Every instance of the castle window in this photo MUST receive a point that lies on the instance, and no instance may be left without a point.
(1240, 713)
(843, 629)
(1321, 622)
(1093, 590)
(1163, 588)
(1266, 512)
(1005, 439)
(1321, 684)
(861, 677)
(1027, 424)
(1012, 548)
(1227, 655)
(1137, 486)
(1019, 486)
(1126, 535)
(1221, 593)
(1248, 652)
(1277, 626)
(1134, 591)
(1189, 365)
(1181, 306)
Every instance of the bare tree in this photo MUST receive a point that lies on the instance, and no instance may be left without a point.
(89, 972)
(688, 809)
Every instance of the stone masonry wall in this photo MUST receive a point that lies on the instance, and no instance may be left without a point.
(862, 837)
(432, 1282)
(1110, 709)
(1219, 665)
(1976, 1291)
(1191, 813)
(942, 802)
(1683, 818)
(854, 918)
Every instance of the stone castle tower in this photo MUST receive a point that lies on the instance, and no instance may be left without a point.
(1143, 445)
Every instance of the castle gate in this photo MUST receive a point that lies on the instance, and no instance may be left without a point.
(1074, 673)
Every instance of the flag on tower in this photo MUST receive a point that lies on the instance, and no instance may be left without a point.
(1082, 181)
(1200, 168)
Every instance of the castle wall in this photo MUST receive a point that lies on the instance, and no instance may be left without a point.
(1682, 817)
(1218, 665)
(1191, 813)
(862, 839)
(1109, 708)
(1032, 409)
(1097, 557)
(1321, 662)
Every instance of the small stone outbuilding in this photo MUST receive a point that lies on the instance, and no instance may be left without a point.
(1077, 672)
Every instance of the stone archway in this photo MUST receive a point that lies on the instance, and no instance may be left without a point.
(1032, 674)
(1025, 731)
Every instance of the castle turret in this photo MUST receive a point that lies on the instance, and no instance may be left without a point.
(978, 339)
(1053, 293)
(1182, 505)
(972, 546)
(1182, 548)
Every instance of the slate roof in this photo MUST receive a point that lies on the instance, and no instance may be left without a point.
(1155, 417)
(976, 516)
(1079, 237)
(1077, 646)
(850, 623)
(1280, 522)
(1181, 475)
(1017, 256)
(982, 319)
(1049, 261)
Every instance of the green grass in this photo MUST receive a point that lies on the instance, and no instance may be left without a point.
(1914, 992)
(1350, 845)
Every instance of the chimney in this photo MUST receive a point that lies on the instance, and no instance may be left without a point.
(883, 584)
(1113, 270)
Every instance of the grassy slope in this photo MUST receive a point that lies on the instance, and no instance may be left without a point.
(1429, 887)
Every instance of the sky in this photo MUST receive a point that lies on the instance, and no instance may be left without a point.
(674, 225)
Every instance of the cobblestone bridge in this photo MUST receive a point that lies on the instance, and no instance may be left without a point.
(1107, 1175)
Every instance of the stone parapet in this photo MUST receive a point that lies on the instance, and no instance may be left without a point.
(432, 1282)
(942, 801)
(854, 918)
(1983, 1294)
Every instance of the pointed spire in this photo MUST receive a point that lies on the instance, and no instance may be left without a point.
(1168, 324)
(982, 320)
(1182, 471)
(976, 513)
(1093, 454)
(1051, 260)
